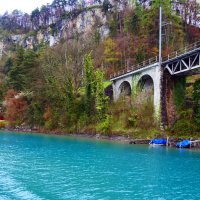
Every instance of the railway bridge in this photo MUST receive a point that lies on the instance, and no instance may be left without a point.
(159, 76)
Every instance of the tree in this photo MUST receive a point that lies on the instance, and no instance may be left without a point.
(90, 87)
(16, 78)
(8, 65)
(16, 107)
(44, 15)
(62, 70)
(20, 75)
(101, 101)
(110, 52)
(35, 18)
(19, 56)
(196, 98)
(106, 6)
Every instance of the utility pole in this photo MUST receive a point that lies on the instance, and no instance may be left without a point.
(1, 49)
(160, 37)
(161, 25)
(159, 67)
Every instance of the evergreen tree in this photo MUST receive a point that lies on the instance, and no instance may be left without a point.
(19, 56)
(29, 63)
(106, 5)
(16, 78)
(89, 78)
(111, 53)
(196, 98)
(101, 101)
(8, 65)
(29, 59)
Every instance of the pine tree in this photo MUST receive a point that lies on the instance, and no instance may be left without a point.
(196, 98)
(19, 56)
(89, 81)
(101, 101)
(8, 65)
(16, 78)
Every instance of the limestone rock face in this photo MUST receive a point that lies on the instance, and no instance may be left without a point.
(40, 37)
(86, 21)
(82, 18)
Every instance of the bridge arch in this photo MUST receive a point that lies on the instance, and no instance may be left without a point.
(125, 89)
(150, 77)
(150, 80)
(146, 83)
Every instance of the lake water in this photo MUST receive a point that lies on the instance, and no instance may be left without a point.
(41, 167)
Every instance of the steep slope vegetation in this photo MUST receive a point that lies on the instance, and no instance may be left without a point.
(57, 59)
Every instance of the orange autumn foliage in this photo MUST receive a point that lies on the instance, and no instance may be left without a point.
(16, 107)
(47, 114)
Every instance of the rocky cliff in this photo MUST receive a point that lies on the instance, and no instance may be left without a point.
(59, 21)
(65, 19)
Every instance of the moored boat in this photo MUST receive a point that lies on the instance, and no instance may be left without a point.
(159, 141)
(183, 144)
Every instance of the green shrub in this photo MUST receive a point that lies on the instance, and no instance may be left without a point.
(3, 124)
(179, 93)
(82, 122)
(197, 116)
(104, 126)
(132, 120)
(185, 124)
(184, 127)
(52, 122)
(196, 98)
(48, 124)
(144, 112)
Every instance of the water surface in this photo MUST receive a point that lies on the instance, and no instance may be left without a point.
(42, 167)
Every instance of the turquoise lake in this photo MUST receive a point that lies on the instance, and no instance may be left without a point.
(42, 167)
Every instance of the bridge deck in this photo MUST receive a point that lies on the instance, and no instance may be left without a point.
(177, 55)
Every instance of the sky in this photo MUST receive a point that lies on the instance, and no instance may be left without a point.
(23, 5)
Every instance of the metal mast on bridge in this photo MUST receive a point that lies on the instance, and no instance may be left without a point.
(160, 37)
(1, 49)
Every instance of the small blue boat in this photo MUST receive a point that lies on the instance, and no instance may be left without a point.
(159, 141)
(183, 144)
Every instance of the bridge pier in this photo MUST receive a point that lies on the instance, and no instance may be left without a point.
(173, 97)
(165, 79)
(167, 101)
(118, 87)
(132, 80)
(157, 93)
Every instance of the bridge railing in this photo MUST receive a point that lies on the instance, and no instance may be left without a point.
(181, 51)
(153, 60)
(135, 67)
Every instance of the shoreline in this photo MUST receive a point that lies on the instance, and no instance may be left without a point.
(116, 138)
(121, 139)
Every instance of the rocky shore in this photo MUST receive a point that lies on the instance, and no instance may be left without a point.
(171, 141)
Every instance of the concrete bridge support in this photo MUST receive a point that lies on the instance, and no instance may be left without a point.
(165, 79)
(169, 96)
(167, 103)
(132, 80)
(117, 86)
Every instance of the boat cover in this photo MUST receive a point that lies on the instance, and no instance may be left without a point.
(159, 141)
(183, 144)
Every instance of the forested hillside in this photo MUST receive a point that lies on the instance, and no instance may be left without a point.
(55, 62)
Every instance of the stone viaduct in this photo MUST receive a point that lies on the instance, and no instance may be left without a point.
(160, 77)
